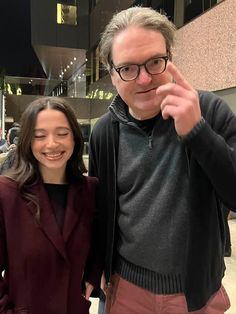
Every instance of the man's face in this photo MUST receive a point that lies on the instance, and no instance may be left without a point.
(136, 45)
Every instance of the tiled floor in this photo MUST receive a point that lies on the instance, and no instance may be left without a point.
(229, 281)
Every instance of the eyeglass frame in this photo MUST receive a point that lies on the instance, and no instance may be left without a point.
(118, 69)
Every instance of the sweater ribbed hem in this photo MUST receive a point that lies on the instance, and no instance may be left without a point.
(147, 279)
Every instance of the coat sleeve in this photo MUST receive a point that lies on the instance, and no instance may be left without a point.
(5, 302)
(214, 147)
(95, 261)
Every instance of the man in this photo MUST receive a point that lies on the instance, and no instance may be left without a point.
(165, 158)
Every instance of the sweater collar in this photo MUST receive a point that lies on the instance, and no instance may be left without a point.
(119, 109)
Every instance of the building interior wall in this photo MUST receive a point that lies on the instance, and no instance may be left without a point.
(205, 48)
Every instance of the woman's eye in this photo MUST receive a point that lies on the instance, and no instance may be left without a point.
(62, 134)
(39, 136)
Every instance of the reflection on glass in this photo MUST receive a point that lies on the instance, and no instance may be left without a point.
(35, 86)
(66, 14)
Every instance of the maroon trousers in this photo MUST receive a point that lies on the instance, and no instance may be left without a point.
(124, 297)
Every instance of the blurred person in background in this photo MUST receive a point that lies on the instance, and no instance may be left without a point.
(3, 143)
(9, 156)
(12, 135)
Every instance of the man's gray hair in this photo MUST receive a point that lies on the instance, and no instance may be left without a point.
(135, 16)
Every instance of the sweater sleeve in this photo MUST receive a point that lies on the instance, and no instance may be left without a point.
(214, 147)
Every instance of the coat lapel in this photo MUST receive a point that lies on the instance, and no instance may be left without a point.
(47, 221)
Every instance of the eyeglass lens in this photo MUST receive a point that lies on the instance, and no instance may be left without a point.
(153, 66)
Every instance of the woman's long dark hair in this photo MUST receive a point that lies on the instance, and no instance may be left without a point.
(25, 170)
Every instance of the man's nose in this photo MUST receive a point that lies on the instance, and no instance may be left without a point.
(144, 77)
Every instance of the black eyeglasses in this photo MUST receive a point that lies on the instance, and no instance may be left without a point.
(131, 71)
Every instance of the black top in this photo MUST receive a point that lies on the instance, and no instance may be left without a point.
(145, 125)
(58, 196)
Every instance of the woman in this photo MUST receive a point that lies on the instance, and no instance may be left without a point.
(46, 214)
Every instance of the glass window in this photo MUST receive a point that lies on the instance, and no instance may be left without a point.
(66, 14)
(193, 8)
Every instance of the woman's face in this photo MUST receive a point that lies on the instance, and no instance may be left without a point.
(52, 144)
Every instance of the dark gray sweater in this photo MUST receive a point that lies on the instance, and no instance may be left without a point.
(151, 214)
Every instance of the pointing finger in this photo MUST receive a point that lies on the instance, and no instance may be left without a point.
(177, 76)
